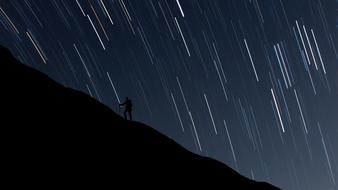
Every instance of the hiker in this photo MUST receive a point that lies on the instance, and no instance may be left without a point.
(127, 108)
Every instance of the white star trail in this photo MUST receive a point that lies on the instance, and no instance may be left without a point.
(107, 13)
(304, 46)
(179, 6)
(318, 51)
(185, 44)
(112, 84)
(9, 21)
(36, 46)
(211, 116)
(300, 110)
(309, 44)
(252, 63)
(97, 34)
(178, 113)
(277, 109)
(228, 135)
(77, 2)
(195, 131)
(82, 61)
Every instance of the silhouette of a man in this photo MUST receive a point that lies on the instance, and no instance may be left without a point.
(127, 108)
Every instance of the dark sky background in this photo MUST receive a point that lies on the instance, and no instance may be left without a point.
(252, 83)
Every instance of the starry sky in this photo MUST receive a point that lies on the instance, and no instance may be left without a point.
(251, 83)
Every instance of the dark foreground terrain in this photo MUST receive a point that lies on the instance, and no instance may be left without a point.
(53, 136)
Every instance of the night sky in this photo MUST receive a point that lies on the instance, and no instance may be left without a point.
(252, 83)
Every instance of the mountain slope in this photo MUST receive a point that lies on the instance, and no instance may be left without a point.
(54, 136)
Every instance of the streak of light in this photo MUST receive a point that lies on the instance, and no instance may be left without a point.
(185, 44)
(38, 49)
(211, 116)
(179, 5)
(228, 135)
(327, 155)
(112, 84)
(195, 131)
(97, 18)
(77, 2)
(318, 51)
(105, 9)
(252, 63)
(10, 21)
(178, 113)
(277, 108)
(311, 50)
(97, 34)
(82, 61)
(302, 39)
(300, 110)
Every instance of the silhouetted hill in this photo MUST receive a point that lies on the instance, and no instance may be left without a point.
(53, 136)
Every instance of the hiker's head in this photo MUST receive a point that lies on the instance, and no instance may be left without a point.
(127, 98)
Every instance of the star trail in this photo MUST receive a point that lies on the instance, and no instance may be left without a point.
(253, 84)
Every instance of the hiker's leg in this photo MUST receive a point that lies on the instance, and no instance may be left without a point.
(130, 116)
(125, 114)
